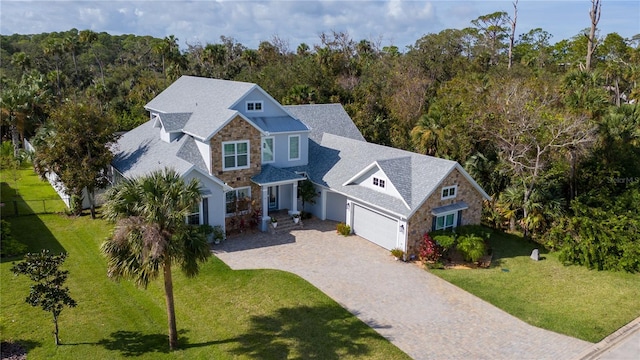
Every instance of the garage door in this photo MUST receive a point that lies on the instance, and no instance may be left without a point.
(375, 227)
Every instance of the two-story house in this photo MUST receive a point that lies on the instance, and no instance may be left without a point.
(244, 146)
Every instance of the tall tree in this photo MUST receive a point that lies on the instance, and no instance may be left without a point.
(529, 132)
(594, 16)
(492, 32)
(151, 233)
(75, 145)
(512, 36)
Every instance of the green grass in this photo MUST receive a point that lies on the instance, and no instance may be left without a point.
(30, 193)
(221, 314)
(571, 300)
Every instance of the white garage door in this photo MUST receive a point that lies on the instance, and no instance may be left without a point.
(375, 227)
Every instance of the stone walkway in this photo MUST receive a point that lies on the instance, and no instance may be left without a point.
(425, 316)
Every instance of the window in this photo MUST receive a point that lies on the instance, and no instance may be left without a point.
(235, 155)
(193, 218)
(378, 182)
(294, 147)
(449, 192)
(254, 106)
(446, 221)
(267, 150)
(238, 200)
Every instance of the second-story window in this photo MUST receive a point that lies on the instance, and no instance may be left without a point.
(235, 155)
(379, 182)
(254, 106)
(449, 192)
(267, 150)
(294, 147)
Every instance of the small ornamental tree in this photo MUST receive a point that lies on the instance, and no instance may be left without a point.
(48, 291)
(307, 192)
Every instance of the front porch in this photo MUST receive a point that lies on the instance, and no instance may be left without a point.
(279, 193)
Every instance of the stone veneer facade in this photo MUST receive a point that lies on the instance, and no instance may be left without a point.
(422, 220)
(236, 130)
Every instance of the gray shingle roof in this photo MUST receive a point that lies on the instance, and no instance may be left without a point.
(337, 159)
(399, 172)
(326, 118)
(141, 151)
(208, 101)
(174, 122)
(190, 153)
(271, 174)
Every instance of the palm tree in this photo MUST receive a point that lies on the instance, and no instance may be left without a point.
(429, 133)
(151, 233)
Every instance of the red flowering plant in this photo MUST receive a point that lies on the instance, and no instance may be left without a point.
(429, 250)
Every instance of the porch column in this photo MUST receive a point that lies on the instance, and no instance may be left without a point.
(265, 208)
(294, 199)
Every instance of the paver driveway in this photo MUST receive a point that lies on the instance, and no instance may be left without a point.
(423, 315)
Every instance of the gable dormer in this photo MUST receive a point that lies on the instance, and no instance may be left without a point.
(170, 124)
(379, 177)
(257, 103)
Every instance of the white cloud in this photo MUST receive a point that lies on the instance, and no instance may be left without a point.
(251, 22)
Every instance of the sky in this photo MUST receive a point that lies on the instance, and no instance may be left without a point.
(384, 22)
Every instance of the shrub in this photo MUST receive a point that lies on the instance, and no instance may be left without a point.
(471, 246)
(8, 245)
(429, 250)
(398, 253)
(343, 229)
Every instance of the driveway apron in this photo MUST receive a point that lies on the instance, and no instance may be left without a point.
(423, 315)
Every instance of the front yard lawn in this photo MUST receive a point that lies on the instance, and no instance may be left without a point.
(571, 300)
(221, 314)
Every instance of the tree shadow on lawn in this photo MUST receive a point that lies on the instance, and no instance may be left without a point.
(14, 349)
(135, 343)
(30, 230)
(321, 332)
(505, 245)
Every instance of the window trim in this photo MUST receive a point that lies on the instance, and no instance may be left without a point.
(235, 143)
(192, 213)
(379, 182)
(448, 190)
(444, 215)
(235, 190)
(273, 149)
(289, 147)
(254, 103)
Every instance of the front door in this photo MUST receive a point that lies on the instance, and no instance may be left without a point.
(273, 197)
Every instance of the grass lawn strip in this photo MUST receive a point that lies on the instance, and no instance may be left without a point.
(571, 300)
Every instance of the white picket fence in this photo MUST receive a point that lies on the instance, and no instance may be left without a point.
(59, 187)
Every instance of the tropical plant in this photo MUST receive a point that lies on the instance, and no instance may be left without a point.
(151, 233)
(471, 246)
(429, 250)
(48, 292)
(307, 192)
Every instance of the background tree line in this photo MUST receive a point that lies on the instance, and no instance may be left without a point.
(550, 130)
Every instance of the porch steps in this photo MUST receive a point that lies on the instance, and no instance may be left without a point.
(285, 224)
